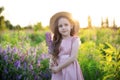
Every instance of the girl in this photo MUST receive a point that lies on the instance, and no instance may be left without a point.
(65, 44)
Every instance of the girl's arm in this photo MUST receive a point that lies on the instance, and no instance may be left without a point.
(72, 58)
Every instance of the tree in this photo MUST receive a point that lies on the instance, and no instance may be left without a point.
(38, 26)
(102, 23)
(107, 22)
(114, 24)
(2, 21)
(8, 24)
(28, 27)
(17, 27)
(89, 22)
(1, 9)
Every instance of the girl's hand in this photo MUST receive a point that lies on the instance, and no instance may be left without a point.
(55, 69)
(51, 63)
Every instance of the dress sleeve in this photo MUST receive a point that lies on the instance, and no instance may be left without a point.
(78, 40)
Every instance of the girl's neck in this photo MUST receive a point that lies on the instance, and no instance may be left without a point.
(65, 37)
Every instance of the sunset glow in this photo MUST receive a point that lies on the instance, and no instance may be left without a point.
(25, 12)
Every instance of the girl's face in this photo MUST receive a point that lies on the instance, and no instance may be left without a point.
(64, 27)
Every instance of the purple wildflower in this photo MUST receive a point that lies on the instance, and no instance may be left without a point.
(17, 64)
(19, 52)
(45, 56)
(1, 50)
(4, 52)
(6, 70)
(8, 48)
(31, 67)
(35, 77)
(25, 65)
(29, 52)
(19, 77)
(6, 58)
(14, 50)
(22, 57)
(38, 62)
(48, 38)
(49, 42)
(34, 53)
(46, 75)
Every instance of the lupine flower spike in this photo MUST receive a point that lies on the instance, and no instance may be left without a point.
(49, 42)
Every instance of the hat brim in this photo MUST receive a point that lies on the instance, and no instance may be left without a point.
(66, 14)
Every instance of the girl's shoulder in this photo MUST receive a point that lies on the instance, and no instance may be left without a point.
(77, 39)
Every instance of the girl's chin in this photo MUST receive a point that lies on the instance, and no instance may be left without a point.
(65, 34)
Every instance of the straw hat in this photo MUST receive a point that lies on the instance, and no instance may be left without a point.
(63, 14)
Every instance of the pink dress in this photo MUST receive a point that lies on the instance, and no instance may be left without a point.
(72, 71)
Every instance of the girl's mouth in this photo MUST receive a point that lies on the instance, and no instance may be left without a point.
(64, 31)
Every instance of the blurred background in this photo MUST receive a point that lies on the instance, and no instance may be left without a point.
(23, 51)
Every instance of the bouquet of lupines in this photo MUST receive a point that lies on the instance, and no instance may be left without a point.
(49, 42)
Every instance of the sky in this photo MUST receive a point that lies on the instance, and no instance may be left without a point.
(29, 12)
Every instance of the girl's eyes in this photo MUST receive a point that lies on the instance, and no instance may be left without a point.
(62, 25)
(66, 24)
(59, 25)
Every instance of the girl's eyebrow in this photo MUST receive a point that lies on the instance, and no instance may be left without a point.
(60, 25)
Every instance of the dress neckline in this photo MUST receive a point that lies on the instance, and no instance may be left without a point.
(67, 38)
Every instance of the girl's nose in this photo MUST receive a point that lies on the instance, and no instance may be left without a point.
(63, 26)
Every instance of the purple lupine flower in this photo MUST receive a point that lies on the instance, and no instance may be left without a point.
(8, 48)
(4, 52)
(17, 64)
(19, 52)
(31, 67)
(28, 52)
(38, 62)
(49, 42)
(12, 58)
(1, 50)
(46, 75)
(19, 77)
(34, 53)
(35, 77)
(45, 56)
(6, 70)
(22, 58)
(6, 58)
(14, 50)
(48, 38)
(25, 65)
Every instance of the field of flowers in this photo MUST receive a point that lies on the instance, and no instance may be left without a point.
(23, 55)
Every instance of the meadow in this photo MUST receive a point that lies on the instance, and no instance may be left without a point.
(24, 54)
